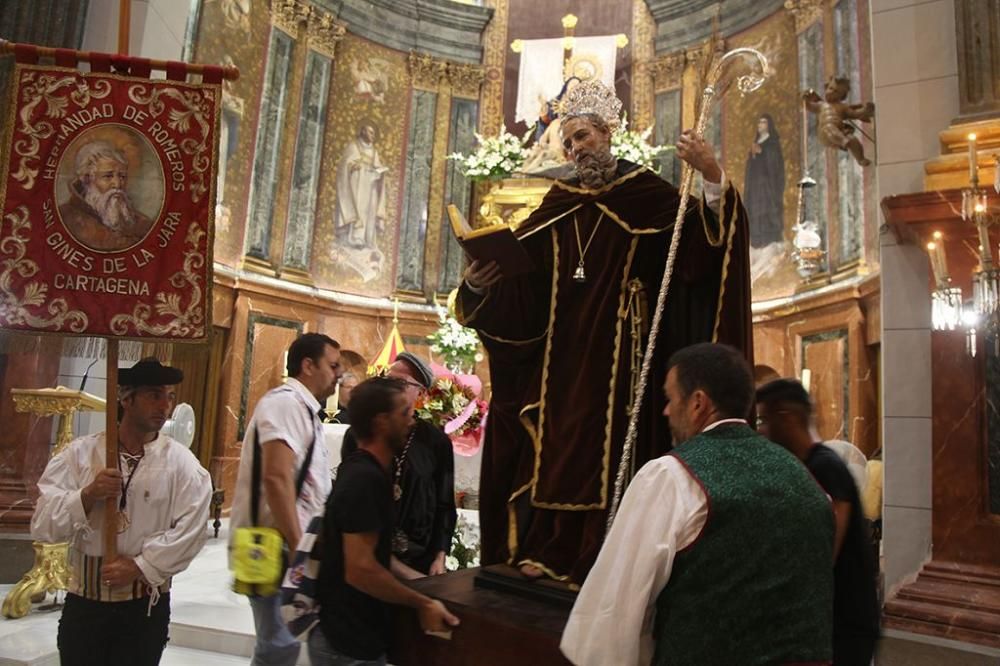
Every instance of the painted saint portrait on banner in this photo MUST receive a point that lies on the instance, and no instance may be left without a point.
(97, 205)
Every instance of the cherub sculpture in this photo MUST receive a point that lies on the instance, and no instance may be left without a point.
(834, 129)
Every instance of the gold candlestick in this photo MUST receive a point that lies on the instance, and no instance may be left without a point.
(973, 161)
(985, 252)
(932, 255)
(942, 258)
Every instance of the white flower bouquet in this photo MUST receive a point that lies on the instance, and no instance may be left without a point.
(457, 345)
(634, 146)
(496, 157)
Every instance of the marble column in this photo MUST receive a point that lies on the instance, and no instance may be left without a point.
(976, 24)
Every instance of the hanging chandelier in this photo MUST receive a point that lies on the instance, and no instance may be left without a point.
(949, 310)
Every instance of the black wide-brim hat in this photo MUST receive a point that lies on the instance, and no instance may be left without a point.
(149, 372)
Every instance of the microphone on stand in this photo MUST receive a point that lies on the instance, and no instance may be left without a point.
(86, 372)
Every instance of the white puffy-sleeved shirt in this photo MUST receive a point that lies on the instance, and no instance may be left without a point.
(662, 512)
(289, 413)
(167, 505)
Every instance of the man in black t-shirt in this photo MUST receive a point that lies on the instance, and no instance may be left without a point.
(355, 584)
(784, 410)
(423, 478)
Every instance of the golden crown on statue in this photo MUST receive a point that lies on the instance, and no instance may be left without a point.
(592, 97)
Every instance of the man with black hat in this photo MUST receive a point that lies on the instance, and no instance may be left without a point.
(423, 482)
(118, 612)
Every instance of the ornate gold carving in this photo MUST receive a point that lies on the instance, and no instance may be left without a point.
(433, 74)
(289, 15)
(324, 33)
(50, 573)
(20, 309)
(187, 322)
(512, 200)
(494, 56)
(667, 71)
(59, 401)
(191, 106)
(711, 49)
(643, 31)
(805, 12)
(426, 71)
(466, 80)
(49, 89)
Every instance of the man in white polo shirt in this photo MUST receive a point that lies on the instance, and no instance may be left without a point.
(287, 428)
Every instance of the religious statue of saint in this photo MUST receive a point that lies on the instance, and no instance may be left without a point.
(361, 195)
(566, 341)
(765, 185)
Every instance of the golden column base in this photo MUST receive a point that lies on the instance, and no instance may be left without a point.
(50, 574)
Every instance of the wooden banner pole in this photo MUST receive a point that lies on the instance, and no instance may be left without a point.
(124, 23)
(111, 395)
(111, 450)
(230, 73)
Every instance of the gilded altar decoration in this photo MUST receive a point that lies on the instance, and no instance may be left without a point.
(108, 204)
(50, 573)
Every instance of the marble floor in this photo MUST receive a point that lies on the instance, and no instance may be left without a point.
(209, 623)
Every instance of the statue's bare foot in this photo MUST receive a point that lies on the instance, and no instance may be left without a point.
(531, 572)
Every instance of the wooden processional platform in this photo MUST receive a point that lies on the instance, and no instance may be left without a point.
(506, 621)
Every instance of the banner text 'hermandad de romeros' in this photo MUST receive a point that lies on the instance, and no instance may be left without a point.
(108, 197)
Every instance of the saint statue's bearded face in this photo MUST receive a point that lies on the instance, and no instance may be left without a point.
(104, 191)
(587, 142)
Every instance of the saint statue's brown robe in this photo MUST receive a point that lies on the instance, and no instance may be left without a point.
(565, 355)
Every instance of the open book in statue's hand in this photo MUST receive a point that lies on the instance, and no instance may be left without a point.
(493, 243)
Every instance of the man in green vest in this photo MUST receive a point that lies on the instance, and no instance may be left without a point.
(722, 550)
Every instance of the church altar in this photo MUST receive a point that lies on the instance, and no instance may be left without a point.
(511, 200)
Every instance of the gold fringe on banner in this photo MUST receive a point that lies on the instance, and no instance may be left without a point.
(89, 347)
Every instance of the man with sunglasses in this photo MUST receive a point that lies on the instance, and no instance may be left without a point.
(423, 482)
(287, 428)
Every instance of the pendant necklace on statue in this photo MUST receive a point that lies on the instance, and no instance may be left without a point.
(580, 274)
(132, 463)
(397, 482)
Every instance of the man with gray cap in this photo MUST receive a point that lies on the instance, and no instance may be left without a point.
(423, 482)
(118, 611)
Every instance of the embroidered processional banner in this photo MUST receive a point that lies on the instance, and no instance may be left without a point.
(108, 197)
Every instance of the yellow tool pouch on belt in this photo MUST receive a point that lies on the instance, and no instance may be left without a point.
(256, 555)
(256, 560)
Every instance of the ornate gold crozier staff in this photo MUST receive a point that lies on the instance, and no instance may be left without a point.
(716, 88)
